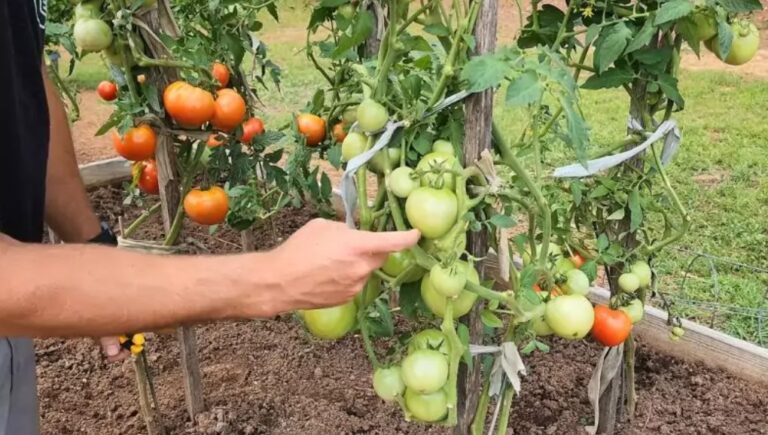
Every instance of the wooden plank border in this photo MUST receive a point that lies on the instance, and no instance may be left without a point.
(699, 344)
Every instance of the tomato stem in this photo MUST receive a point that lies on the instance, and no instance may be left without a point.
(141, 219)
(454, 359)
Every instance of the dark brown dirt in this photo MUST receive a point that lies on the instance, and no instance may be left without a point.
(270, 377)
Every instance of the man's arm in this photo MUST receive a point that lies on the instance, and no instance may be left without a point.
(85, 290)
(67, 208)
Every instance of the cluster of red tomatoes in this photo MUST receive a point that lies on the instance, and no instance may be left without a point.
(194, 108)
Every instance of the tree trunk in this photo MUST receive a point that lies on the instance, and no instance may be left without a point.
(478, 120)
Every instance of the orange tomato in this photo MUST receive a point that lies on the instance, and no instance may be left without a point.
(221, 73)
(339, 132)
(228, 110)
(537, 288)
(138, 144)
(188, 105)
(252, 128)
(577, 260)
(611, 327)
(214, 141)
(207, 207)
(107, 90)
(147, 176)
(312, 127)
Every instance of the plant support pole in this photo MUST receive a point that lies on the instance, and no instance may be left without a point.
(478, 120)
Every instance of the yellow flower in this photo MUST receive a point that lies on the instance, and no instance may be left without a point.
(587, 11)
(136, 349)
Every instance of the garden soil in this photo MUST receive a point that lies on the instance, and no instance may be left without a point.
(270, 377)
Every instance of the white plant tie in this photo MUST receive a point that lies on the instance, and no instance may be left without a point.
(508, 361)
(348, 190)
(667, 130)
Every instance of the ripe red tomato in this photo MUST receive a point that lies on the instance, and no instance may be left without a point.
(107, 90)
(577, 260)
(138, 144)
(252, 128)
(312, 127)
(189, 106)
(207, 207)
(221, 73)
(339, 132)
(147, 176)
(228, 110)
(214, 141)
(611, 327)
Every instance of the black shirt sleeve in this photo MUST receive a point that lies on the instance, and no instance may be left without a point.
(23, 119)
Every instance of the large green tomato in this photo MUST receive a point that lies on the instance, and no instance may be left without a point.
(353, 145)
(570, 316)
(92, 34)
(379, 165)
(746, 41)
(629, 282)
(564, 265)
(371, 291)
(634, 310)
(432, 211)
(431, 339)
(576, 283)
(371, 116)
(643, 272)
(449, 281)
(331, 323)
(705, 25)
(401, 182)
(398, 262)
(434, 160)
(425, 371)
(388, 383)
(426, 407)
(444, 147)
(437, 302)
(538, 323)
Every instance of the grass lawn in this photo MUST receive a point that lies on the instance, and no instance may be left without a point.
(720, 173)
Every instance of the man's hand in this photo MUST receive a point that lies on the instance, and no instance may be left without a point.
(325, 263)
(112, 349)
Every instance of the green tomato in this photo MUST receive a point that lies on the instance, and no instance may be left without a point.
(554, 253)
(398, 262)
(704, 24)
(577, 283)
(431, 339)
(353, 145)
(643, 272)
(371, 116)
(388, 383)
(433, 161)
(349, 116)
(629, 282)
(432, 211)
(443, 147)
(87, 10)
(92, 34)
(570, 316)
(347, 11)
(380, 165)
(371, 291)
(634, 310)
(746, 41)
(437, 302)
(449, 281)
(402, 182)
(425, 371)
(426, 407)
(538, 323)
(331, 323)
(678, 331)
(564, 265)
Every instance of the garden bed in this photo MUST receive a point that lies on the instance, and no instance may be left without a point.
(270, 377)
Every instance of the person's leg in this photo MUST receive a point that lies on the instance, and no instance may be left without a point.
(23, 416)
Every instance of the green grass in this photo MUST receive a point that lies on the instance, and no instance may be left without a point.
(720, 172)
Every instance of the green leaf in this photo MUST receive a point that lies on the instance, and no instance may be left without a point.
(687, 29)
(235, 46)
(463, 332)
(611, 78)
(379, 320)
(529, 348)
(490, 319)
(332, 3)
(437, 30)
(361, 30)
(602, 242)
(668, 85)
(483, 72)
(740, 6)
(610, 45)
(577, 187)
(577, 134)
(593, 31)
(635, 210)
(653, 56)
(724, 37)
(410, 299)
(617, 215)
(334, 156)
(642, 37)
(113, 121)
(529, 275)
(502, 221)
(590, 269)
(672, 10)
(524, 90)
